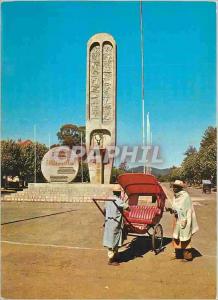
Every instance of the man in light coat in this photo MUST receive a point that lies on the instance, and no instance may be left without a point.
(185, 222)
(113, 228)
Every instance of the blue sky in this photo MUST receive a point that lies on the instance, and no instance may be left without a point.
(44, 69)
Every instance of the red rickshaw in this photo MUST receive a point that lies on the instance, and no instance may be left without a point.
(142, 219)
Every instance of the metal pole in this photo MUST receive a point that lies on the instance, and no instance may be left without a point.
(150, 168)
(34, 153)
(49, 141)
(142, 74)
(81, 157)
(149, 143)
(148, 140)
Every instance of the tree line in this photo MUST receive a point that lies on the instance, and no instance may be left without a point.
(18, 158)
(199, 164)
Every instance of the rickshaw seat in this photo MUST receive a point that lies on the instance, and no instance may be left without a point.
(142, 214)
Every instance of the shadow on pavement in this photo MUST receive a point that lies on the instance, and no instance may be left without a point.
(38, 217)
(138, 247)
(195, 253)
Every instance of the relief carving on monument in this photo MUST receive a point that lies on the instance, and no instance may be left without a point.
(100, 138)
(94, 88)
(107, 84)
(101, 105)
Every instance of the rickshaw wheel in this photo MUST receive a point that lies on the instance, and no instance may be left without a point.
(157, 238)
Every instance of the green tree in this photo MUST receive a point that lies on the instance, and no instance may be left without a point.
(122, 168)
(201, 164)
(10, 158)
(198, 165)
(71, 135)
(190, 168)
(191, 150)
(27, 160)
(18, 158)
(83, 173)
(176, 173)
(54, 145)
(207, 161)
(209, 137)
(163, 178)
(115, 172)
(208, 155)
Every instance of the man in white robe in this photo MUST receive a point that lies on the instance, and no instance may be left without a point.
(185, 223)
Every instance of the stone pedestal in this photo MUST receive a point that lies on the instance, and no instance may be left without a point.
(62, 192)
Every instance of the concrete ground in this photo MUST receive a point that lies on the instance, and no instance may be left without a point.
(54, 251)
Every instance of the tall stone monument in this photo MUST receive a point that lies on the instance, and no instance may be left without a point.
(57, 167)
(101, 104)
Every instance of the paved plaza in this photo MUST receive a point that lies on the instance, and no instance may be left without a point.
(54, 251)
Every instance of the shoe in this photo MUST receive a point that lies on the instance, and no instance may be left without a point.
(113, 262)
(187, 255)
(177, 254)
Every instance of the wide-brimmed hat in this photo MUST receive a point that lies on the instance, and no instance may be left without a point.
(179, 183)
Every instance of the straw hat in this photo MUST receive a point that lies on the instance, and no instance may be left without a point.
(179, 183)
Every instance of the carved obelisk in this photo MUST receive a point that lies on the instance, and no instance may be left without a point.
(101, 104)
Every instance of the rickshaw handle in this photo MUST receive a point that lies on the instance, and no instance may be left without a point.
(120, 210)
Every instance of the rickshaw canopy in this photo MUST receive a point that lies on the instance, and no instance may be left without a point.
(140, 184)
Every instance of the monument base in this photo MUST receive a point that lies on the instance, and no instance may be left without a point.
(54, 192)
